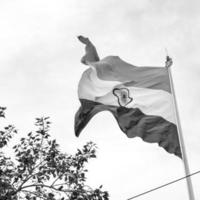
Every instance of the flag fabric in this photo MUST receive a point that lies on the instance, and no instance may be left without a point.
(139, 98)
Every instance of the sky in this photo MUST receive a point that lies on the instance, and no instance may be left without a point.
(40, 69)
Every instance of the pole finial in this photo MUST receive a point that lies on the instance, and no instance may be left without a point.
(169, 61)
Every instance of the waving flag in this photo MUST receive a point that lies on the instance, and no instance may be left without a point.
(139, 98)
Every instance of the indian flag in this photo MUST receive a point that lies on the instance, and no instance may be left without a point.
(139, 98)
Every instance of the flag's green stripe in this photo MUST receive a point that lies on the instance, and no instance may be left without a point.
(133, 123)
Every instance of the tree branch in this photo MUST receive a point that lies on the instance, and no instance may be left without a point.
(29, 177)
(35, 193)
(46, 186)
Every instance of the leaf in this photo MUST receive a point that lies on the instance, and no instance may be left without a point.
(60, 188)
(29, 134)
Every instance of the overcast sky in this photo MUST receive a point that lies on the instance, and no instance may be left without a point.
(40, 69)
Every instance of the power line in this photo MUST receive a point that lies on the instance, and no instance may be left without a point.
(164, 185)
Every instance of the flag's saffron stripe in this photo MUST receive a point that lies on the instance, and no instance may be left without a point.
(134, 123)
(112, 68)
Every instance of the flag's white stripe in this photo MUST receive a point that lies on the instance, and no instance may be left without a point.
(149, 101)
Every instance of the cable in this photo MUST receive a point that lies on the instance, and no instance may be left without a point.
(141, 194)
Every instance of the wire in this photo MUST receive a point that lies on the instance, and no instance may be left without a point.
(159, 187)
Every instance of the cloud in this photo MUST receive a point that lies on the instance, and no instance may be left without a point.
(40, 70)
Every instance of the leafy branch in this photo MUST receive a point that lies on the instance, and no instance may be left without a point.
(42, 171)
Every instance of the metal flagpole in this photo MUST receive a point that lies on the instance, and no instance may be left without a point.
(181, 140)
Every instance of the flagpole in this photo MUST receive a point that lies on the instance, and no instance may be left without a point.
(180, 135)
